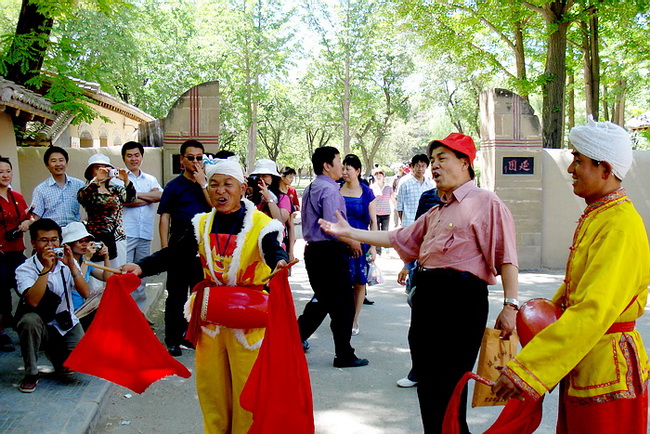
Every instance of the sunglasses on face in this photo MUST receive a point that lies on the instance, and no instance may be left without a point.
(192, 157)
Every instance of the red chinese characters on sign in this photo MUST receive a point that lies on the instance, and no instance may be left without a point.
(518, 165)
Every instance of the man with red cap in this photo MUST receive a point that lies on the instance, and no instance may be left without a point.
(461, 246)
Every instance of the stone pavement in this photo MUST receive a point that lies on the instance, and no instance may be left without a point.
(360, 400)
(69, 405)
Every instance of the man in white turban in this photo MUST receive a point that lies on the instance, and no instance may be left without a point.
(238, 247)
(598, 357)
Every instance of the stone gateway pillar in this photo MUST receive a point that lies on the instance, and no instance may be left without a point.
(511, 153)
(195, 115)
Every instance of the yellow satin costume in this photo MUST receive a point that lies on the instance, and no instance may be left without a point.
(606, 282)
(225, 356)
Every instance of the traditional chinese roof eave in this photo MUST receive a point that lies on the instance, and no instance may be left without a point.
(638, 123)
(108, 101)
(23, 100)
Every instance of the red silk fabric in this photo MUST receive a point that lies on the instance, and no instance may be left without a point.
(278, 390)
(517, 417)
(119, 346)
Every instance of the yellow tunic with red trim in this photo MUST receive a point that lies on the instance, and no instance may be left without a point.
(606, 282)
(246, 266)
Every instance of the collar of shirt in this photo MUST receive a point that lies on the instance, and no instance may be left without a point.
(327, 179)
(141, 176)
(52, 181)
(460, 193)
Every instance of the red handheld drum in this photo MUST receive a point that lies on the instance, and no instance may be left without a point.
(534, 316)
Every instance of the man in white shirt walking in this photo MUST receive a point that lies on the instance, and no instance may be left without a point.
(139, 215)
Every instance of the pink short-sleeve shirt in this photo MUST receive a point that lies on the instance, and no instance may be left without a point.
(473, 232)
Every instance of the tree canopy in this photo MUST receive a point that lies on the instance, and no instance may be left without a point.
(378, 78)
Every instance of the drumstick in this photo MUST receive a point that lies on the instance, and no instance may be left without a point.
(101, 267)
(270, 276)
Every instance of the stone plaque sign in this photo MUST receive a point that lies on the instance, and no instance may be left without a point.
(518, 165)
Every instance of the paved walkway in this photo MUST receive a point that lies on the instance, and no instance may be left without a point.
(361, 400)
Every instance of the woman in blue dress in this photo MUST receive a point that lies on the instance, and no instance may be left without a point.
(360, 209)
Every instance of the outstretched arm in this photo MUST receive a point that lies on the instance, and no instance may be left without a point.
(343, 229)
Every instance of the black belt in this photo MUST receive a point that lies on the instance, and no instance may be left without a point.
(448, 272)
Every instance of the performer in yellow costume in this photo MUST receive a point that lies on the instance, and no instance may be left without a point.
(593, 349)
(238, 246)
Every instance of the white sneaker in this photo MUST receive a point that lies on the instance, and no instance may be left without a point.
(405, 382)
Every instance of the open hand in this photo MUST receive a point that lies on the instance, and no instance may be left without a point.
(340, 228)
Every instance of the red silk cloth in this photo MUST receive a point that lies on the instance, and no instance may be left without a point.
(517, 417)
(119, 345)
(278, 390)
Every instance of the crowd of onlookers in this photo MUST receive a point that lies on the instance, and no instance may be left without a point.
(59, 287)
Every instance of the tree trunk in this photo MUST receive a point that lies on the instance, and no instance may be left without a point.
(553, 101)
(591, 61)
(520, 55)
(605, 104)
(33, 28)
(346, 88)
(571, 101)
(618, 117)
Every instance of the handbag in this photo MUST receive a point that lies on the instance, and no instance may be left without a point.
(374, 275)
(46, 308)
(495, 354)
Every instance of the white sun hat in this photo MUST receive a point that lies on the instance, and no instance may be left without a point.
(75, 231)
(264, 166)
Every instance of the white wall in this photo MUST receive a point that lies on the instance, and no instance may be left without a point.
(562, 208)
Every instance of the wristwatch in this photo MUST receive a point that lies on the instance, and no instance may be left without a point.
(511, 302)
(204, 186)
(271, 201)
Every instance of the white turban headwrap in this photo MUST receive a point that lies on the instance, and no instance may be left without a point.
(229, 166)
(604, 141)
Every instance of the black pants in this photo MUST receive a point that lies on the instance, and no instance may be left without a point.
(9, 261)
(181, 278)
(383, 222)
(448, 319)
(328, 268)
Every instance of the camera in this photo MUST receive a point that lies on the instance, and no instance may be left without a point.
(58, 252)
(13, 234)
(113, 173)
(97, 245)
(64, 319)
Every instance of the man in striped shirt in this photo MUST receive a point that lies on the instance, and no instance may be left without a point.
(56, 197)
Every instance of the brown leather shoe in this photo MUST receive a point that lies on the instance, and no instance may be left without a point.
(28, 385)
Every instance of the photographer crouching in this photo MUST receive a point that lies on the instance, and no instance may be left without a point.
(45, 314)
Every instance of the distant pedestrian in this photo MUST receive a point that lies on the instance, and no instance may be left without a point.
(384, 194)
(412, 188)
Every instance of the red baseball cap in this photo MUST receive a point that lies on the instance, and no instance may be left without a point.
(461, 143)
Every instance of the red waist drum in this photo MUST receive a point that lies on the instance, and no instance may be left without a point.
(236, 307)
